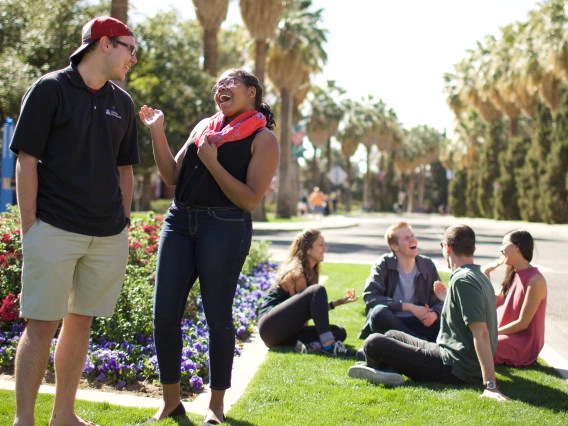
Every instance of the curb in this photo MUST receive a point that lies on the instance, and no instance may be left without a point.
(555, 360)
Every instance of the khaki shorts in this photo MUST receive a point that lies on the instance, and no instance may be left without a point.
(64, 272)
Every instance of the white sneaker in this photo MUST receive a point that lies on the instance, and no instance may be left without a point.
(376, 376)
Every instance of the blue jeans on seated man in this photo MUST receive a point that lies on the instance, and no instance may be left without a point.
(381, 319)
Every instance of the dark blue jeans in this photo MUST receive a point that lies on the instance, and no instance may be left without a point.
(382, 319)
(210, 244)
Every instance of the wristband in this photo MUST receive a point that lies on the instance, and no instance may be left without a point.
(331, 305)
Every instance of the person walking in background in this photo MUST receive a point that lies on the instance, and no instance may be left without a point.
(463, 352)
(76, 142)
(316, 201)
(221, 175)
(296, 297)
(398, 294)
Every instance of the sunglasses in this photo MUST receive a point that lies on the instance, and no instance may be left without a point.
(226, 83)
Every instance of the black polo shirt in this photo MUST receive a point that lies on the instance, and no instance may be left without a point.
(79, 138)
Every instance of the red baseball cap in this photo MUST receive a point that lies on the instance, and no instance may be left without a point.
(96, 29)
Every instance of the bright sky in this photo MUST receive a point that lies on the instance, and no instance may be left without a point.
(394, 50)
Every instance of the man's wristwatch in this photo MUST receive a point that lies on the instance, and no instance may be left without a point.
(491, 385)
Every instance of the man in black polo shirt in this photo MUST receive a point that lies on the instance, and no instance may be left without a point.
(76, 142)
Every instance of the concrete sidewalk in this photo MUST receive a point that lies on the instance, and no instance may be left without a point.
(326, 222)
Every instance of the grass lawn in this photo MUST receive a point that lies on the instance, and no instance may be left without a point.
(298, 390)
(291, 389)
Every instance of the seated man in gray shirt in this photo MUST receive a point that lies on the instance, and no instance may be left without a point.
(399, 292)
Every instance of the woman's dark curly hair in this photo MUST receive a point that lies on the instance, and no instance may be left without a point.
(259, 103)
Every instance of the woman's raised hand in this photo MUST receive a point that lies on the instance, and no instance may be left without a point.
(487, 269)
(151, 117)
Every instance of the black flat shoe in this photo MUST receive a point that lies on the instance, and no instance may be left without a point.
(177, 412)
(213, 422)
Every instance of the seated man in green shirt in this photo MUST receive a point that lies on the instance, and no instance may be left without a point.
(463, 352)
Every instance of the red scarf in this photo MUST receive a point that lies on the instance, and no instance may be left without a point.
(241, 127)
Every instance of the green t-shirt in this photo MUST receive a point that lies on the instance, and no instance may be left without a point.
(470, 298)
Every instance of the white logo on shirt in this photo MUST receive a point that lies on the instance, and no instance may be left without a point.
(112, 113)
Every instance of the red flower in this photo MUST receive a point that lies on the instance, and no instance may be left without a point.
(6, 238)
(9, 311)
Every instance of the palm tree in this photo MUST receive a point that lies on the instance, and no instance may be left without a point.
(261, 18)
(427, 144)
(351, 133)
(326, 112)
(298, 48)
(210, 13)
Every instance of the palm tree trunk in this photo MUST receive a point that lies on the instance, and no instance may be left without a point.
(410, 195)
(119, 10)
(421, 186)
(348, 186)
(284, 207)
(315, 169)
(260, 61)
(259, 214)
(146, 192)
(367, 182)
(513, 127)
(327, 185)
(210, 51)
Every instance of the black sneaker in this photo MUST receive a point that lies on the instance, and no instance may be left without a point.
(302, 348)
(339, 349)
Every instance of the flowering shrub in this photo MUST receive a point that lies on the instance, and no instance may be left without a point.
(10, 253)
(122, 348)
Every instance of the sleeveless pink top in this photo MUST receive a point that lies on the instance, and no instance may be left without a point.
(521, 348)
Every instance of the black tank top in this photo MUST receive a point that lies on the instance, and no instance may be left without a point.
(196, 186)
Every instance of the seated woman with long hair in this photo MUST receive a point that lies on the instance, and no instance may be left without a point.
(521, 304)
(296, 297)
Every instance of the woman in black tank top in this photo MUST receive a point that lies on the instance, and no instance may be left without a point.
(296, 297)
(221, 175)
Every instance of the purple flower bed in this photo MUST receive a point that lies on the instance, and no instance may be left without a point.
(122, 347)
(126, 362)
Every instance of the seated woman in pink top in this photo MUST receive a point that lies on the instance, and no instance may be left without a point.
(521, 304)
